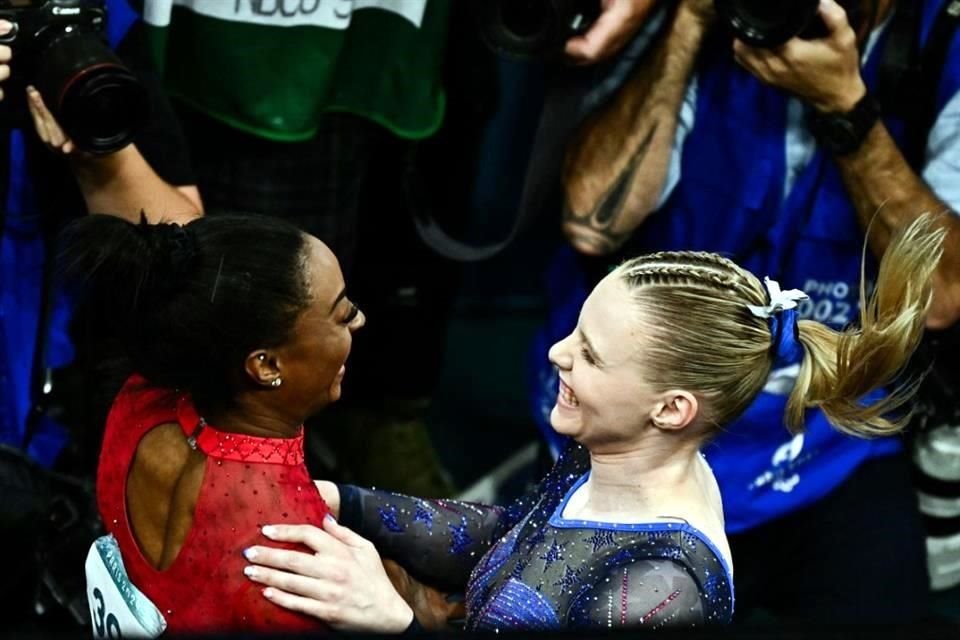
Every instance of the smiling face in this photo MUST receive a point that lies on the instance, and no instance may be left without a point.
(603, 400)
(312, 363)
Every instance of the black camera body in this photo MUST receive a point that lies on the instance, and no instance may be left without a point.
(533, 29)
(60, 48)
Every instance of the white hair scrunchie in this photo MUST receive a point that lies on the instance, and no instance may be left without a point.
(779, 300)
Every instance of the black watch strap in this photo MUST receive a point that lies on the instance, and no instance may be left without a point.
(843, 133)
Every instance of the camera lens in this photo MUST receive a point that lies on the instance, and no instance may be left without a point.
(532, 29)
(525, 18)
(761, 14)
(95, 98)
(767, 23)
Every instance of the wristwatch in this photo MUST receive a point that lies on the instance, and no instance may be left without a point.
(843, 133)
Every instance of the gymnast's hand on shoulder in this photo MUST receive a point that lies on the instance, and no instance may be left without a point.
(343, 582)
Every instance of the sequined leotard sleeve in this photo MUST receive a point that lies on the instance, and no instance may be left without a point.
(437, 541)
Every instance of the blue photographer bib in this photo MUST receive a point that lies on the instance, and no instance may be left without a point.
(730, 200)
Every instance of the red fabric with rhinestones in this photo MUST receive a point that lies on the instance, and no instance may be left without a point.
(248, 482)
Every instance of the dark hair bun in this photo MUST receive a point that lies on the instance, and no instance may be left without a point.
(184, 305)
(173, 254)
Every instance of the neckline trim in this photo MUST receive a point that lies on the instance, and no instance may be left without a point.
(238, 447)
(557, 520)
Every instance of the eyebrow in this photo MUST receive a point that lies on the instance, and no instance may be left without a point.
(586, 340)
(341, 296)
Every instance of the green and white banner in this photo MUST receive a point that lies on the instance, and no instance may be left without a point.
(274, 67)
(331, 14)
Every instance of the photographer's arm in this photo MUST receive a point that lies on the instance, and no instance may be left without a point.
(887, 194)
(617, 167)
(122, 183)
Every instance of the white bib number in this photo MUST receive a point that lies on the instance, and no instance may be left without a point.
(117, 608)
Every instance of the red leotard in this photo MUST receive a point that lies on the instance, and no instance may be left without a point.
(248, 482)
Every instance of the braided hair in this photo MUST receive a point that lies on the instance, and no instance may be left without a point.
(703, 337)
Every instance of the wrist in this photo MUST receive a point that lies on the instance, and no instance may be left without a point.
(402, 618)
(844, 102)
(97, 168)
(844, 132)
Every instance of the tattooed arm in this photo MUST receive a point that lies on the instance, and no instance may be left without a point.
(616, 168)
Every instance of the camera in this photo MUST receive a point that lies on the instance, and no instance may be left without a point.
(533, 28)
(770, 23)
(59, 47)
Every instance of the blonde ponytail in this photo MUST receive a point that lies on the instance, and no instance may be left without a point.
(840, 368)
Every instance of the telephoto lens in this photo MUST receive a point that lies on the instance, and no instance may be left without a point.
(98, 102)
(533, 29)
(770, 23)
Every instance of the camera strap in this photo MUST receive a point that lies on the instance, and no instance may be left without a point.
(558, 120)
(900, 65)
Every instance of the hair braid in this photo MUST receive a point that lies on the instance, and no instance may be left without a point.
(702, 337)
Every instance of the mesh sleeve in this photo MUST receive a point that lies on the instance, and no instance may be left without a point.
(648, 593)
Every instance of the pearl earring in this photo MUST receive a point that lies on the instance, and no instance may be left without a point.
(276, 382)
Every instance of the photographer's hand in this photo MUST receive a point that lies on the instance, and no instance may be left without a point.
(825, 73)
(618, 22)
(47, 127)
(6, 53)
(887, 193)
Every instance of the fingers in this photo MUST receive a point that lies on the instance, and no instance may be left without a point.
(322, 610)
(763, 63)
(594, 44)
(307, 564)
(345, 534)
(305, 534)
(341, 584)
(614, 27)
(6, 54)
(326, 590)
(47, 127)
(833, 16)
(51, 132)
(35, 106)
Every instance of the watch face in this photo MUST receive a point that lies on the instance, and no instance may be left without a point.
(844, 133)
(840, 133)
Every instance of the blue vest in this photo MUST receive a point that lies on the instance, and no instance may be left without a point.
(730, 200)
(22, 259)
